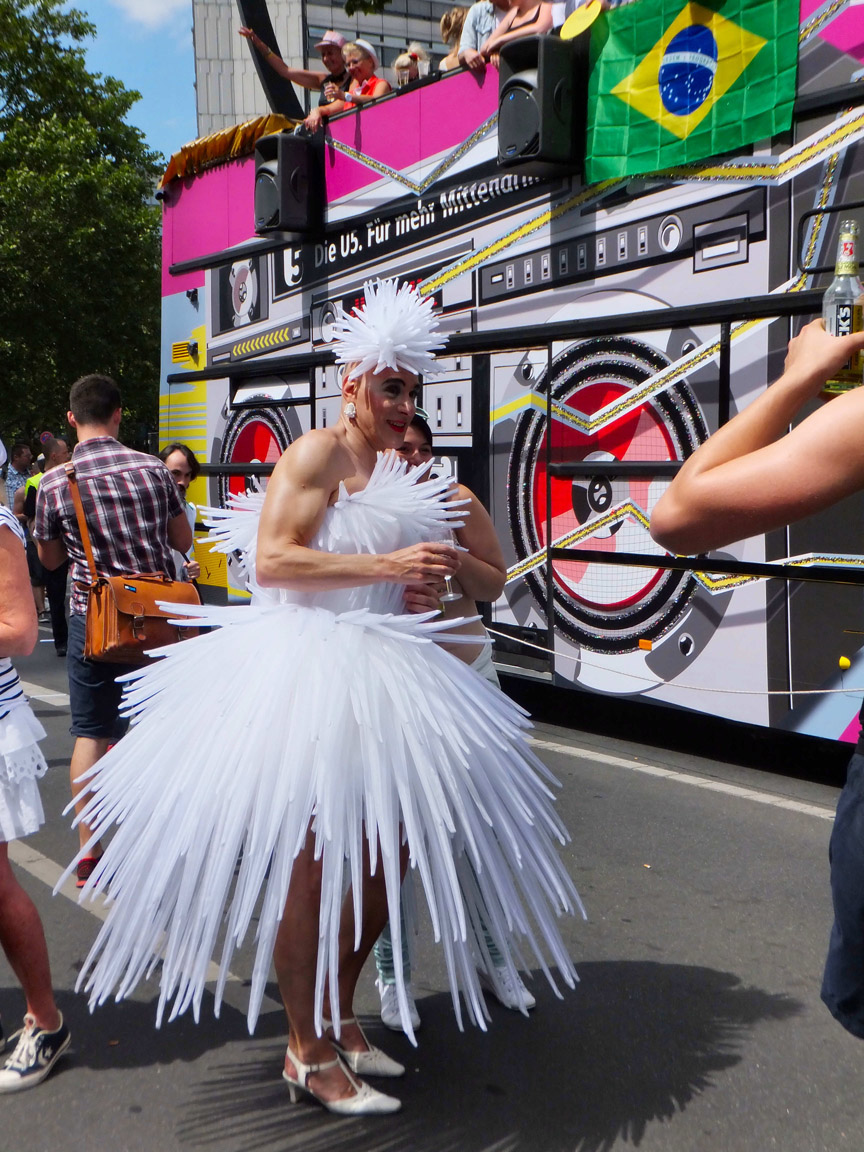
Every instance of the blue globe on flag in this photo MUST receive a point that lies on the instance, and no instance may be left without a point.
(688, 69)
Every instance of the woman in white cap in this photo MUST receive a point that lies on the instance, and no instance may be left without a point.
(326, 740)
(330, 47)
(361, 62)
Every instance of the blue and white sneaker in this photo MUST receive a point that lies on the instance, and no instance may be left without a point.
(36, 1052)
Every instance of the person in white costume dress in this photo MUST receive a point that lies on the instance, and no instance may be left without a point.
(327, 739)
(44, 1037)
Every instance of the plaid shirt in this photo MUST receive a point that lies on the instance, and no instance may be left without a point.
(128, 499)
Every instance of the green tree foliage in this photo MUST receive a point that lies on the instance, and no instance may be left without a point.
(79, 231)
(367, 7)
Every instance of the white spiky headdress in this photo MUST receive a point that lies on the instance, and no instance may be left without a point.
(394, 329)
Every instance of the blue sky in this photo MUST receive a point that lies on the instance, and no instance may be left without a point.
(147, 44)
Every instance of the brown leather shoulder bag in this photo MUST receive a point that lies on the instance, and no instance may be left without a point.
(124, 621)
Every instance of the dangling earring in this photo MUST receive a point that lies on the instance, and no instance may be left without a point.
(350, 410)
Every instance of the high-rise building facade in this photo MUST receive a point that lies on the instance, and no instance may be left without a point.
(228, 90)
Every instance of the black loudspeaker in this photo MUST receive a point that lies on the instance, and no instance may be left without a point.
(289, 184)
(542, 98)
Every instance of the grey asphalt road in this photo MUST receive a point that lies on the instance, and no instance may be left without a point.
(697, 1023)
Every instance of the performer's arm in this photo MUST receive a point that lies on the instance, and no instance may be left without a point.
(339, 96)
(469, 43)
(47, 533)
(302, 76)
(18, 504)
(298, 494)
(18, 625)
(180, 533)
(483, 572)
(323, 112)
(750, 477)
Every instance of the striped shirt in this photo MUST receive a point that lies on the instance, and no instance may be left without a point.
(11, 693)
(128, 500)
(14, 481)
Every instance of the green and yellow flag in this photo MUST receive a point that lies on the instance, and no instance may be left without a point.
(672, 82)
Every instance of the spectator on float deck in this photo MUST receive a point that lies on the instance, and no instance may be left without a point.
(409, 62)
(365, 86)
(481, 21)
(525, 18)
(451, 33)
(330, 46)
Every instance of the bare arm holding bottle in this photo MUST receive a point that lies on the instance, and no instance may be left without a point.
(754, 475)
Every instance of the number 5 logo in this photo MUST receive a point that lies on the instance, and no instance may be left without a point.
(292, 266)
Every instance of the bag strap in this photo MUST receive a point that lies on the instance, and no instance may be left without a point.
(82, 523)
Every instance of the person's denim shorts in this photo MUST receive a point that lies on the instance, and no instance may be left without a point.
(94, 694)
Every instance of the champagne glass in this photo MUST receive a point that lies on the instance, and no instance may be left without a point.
(449, 594)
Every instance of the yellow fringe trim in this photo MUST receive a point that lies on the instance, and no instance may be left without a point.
(222, 146)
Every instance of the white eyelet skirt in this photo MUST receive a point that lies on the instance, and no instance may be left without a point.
(21, 765)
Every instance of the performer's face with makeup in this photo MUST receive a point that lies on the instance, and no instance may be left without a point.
(385, 403)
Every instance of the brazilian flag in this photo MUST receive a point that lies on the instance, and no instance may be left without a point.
(673, 82)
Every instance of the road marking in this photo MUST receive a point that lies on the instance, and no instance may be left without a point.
(60, 700)
(686, 778)
(47, 871)
(45, 695)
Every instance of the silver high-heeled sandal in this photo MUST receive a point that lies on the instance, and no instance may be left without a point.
(375, 1062)
(366, 1101)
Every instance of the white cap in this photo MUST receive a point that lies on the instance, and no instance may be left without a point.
(370, 51)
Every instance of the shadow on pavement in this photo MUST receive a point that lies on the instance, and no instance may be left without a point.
(124, 1036)
(634, 1044)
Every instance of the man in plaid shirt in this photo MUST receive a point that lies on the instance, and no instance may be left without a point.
(135, 518)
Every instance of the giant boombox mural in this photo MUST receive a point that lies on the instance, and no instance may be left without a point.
(545, 433)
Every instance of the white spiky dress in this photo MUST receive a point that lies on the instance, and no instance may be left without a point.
(337, 709)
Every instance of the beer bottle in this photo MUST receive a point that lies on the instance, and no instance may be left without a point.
(843, 306)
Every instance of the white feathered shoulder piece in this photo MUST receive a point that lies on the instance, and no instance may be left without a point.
(429, 509)
(394, 329)
(235, 528)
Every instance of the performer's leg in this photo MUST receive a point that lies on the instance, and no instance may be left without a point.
(23, 941)
(55, 587)
(294, 957)
(385, 961)
(86, 752)
(94, 703)
(351, 961)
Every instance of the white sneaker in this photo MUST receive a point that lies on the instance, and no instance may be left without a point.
(508, 990)
(36, 1053)
(390, 1006)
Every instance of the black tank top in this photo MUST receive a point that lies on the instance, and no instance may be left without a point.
(342, 80)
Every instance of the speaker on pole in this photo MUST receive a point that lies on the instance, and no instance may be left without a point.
(289, 184)
(542, 98)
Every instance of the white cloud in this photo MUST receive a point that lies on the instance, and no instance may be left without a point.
(156, 13)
